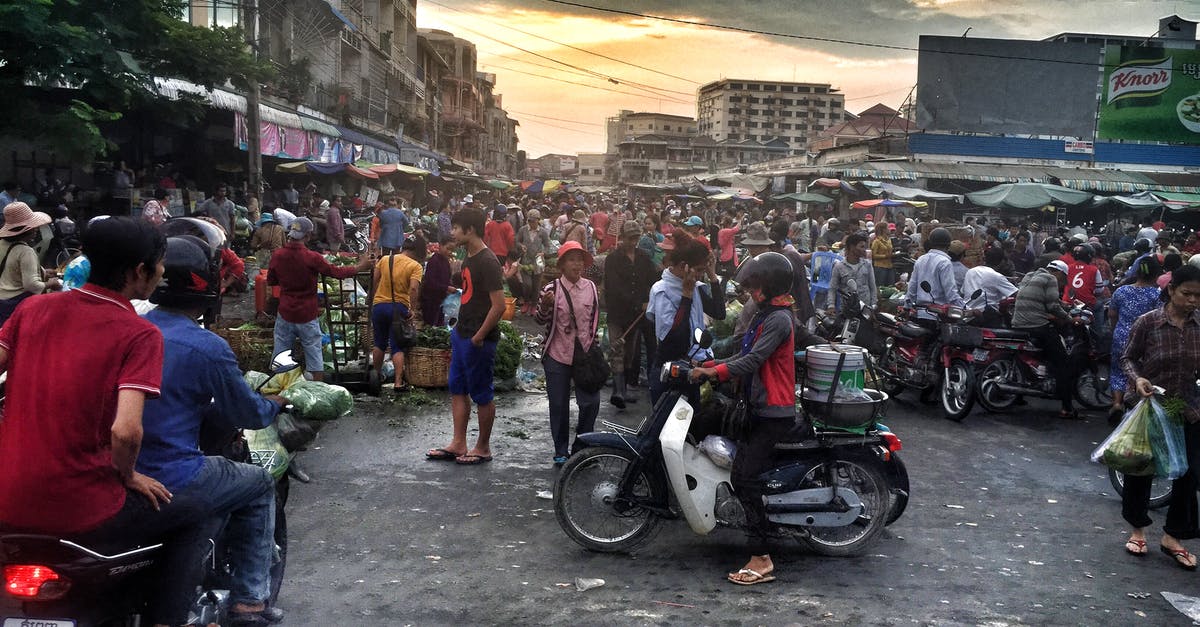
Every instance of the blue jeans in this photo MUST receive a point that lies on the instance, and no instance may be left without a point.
(310, 340)
(245, 494)
(558, 389)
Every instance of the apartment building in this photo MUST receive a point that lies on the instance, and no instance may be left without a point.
(768, 111)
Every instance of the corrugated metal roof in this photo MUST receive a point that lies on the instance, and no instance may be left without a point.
(1102, 180)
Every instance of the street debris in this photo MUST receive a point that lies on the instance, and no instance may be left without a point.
(583, 583)
(674, 604)
(545, 495)
(474, 515)
(955, 506)
(1189, 606)
(1138, 595)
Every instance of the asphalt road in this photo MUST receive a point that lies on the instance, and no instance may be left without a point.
(1009, 523)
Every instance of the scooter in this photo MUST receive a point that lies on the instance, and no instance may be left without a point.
(912, 346)
(55, 582)
(831, 489)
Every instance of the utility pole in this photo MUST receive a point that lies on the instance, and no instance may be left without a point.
(253, 121)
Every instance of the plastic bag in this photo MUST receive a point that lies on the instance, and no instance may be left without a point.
(720, 450)
(267, 451)
(315, 400)
(1127, 449)
(278, 382)
(1167, 443)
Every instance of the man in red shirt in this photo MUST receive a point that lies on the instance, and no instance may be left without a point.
(1083, 277)
(67, 450)
(295, 269)
(599, 221)
(498, 235)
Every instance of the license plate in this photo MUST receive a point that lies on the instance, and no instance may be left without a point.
(980, 355)
(38, 622)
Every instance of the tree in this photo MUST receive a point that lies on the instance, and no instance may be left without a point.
(68, 65)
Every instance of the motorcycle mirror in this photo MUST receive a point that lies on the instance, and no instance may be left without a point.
(703, 338)
(283, 362)
(926, 287)
(976, 294)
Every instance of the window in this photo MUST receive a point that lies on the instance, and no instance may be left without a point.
(225, 13)
(631, 127)
(803, 90)
(801, 127)
(802, 114)
(734, 123)
(786, 114)
(803, 102)
(752, 124)
(768, 125)
(753, 100)
(735, 99)
(799, 139)
(820, 90)
(818, 127)
(734, 136)
(787, 102)
(735, 85)
(752, 137)
(787, 89)
(818, 114)
(768, 87)
(768, 101)
(735, 111)
(819, 103)
(753, 112)
(785, 126)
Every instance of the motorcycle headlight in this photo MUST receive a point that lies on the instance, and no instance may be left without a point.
(889, 342)
(665, 374)
(954, 313)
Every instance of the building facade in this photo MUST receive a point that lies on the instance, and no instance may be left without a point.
(765, 111)
(591, 168)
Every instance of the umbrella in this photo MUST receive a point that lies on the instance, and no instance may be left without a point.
(393, 168)
(1029, 196)
(887, 202)
(1142, 200)
(500, 185)
(297, 167)
(805, 197)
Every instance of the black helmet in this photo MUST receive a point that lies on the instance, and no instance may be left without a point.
(1083, 253)
(191, 275)
(771, 272)
(938, 238)
(1051, 245)
(1142, 245)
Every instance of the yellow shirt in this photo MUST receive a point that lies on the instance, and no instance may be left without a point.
(881, 252)
(403, 270)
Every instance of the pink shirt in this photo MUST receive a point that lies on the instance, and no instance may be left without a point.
(560, 345)
(725, 241)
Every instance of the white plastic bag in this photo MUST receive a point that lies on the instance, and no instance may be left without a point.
(720, 450)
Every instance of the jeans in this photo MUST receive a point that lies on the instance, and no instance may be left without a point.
(309, 334)
(1054, 355)
(558, 388)
(245, 494)
(1183, 522)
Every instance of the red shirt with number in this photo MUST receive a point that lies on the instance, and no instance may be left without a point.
(1081, 282)
(69, 354)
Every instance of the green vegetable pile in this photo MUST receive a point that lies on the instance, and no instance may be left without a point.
(508, 351)
(414, 397)
(435, 337)
(1174, 408)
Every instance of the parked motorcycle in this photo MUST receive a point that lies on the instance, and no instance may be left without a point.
(1012, 366)
(912, 346)
(830, 489)
(356, 237)
(55, 582)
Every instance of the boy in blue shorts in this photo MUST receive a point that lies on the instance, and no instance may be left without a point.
(473, 341)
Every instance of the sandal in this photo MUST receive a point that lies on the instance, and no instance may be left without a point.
(1136, 547)
(1185, 560)
(755, 577)
(1069, 415)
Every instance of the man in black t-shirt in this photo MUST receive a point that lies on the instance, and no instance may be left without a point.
(473, 341)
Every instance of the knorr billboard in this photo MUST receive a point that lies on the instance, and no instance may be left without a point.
(1151, 94)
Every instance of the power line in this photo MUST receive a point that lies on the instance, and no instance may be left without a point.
(566, 45)
(882, 93)
(615, 91)
(847, 42)
(546, 117)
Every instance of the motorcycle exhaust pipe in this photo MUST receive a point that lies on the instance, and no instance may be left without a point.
(1013, 389)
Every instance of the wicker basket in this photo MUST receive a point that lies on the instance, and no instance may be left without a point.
(253, 347)
(427, 367)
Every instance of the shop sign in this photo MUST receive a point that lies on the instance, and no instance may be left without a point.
(1078, 147)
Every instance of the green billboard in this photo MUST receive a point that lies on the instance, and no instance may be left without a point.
(1151, 94)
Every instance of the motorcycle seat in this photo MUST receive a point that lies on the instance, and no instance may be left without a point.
(1010, 334)
(910, 329)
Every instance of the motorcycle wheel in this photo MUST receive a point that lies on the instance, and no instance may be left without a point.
(889, 365)
(282, 488)
(1160, 489)
(992, 398)
(584, 498)
(958, 390)
(900, 489)
(1091, 387)
(867, 481)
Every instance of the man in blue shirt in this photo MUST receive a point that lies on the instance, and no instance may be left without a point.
(393, 222)
(202, 383)
(936, 268)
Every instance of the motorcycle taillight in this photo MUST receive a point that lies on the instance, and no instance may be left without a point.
(33, 582)
(891, 441)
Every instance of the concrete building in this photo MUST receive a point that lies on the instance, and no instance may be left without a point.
(553, 166)
(591, 168)
(765, 111)
(500, 140)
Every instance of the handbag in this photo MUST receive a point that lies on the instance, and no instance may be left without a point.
(402, 329)
(589, 368)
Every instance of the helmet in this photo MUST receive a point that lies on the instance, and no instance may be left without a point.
(191, 275)
(1083, 253)
(771, 272)
(1142, 245)
(1051, 244)
(938, 238)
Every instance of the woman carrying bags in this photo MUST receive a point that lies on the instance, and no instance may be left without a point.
(570, 310)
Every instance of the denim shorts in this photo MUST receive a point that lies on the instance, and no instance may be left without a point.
(471, 368)
(310, 339)
(382, 315)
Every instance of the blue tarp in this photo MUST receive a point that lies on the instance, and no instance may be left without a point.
(338, 14)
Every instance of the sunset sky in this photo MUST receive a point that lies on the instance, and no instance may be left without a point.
(556, 116)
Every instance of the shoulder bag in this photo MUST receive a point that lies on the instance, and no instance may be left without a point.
(589, 368)
(403, 330)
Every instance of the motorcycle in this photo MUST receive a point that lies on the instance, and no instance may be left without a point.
(1011, 366)
(912, 347)
(54, 582)
(831, 489)
(356, 238)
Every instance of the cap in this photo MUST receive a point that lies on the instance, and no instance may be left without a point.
(693, 221)
(868, 217)
(891, 226)
(1059, 265)
(468, 198)
(957, 247)
(300, 228)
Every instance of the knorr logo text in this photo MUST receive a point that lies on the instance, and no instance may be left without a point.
(1139, 80)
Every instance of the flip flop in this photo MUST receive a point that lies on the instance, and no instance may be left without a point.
(1181, 557)
(472, 459)
(1136, 547)
(756, 578)
(441, 455)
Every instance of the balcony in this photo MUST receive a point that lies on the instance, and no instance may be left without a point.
(635, 163)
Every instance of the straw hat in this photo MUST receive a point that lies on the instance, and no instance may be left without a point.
(19, 218)
(756, 235)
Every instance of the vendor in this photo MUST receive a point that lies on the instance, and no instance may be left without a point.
(21, 273)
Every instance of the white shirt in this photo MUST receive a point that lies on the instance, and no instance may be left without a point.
(1148, 233)
(994, 285)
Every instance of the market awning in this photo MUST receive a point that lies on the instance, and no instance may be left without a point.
(887, 202)
(395, 168)
(1178, 200)
(742, 181)
(1029, 196)
(1141, 200)
(908, 193)
(299, 167)
(808, 197)
(317, 126)
(500, 185)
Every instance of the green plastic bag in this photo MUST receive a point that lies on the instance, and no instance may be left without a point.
(315, 400)
(1127, 449)
(267, 451)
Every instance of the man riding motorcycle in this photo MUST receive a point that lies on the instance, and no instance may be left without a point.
(936, 269)
(1037, 308)
(202, 383)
